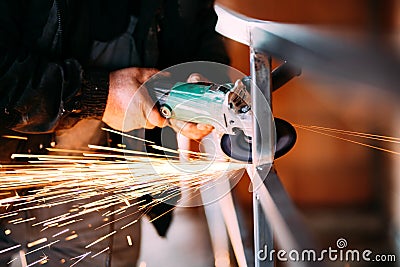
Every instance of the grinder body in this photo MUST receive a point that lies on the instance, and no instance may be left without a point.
(224, 106)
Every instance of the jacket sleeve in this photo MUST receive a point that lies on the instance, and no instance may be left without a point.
(36, 91)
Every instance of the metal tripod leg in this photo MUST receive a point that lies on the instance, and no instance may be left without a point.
(263, 151)
(269, 194)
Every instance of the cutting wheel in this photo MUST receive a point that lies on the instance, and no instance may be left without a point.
(239, 146)
(285, 137)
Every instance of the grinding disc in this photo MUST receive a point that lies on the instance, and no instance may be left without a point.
(238, 146)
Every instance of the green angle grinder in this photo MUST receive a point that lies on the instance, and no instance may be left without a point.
(227, 107)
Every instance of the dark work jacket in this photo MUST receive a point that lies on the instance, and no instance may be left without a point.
(45, 78)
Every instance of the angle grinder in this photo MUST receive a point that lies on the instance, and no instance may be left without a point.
(227, 107)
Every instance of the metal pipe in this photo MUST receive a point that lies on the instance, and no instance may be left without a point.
(262, 148)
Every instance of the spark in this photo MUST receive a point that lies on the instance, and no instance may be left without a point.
(61, 232)
(126, 151)
(67, 223)
(315, 129)
(100, 252)
(116, 220)
(43, 259)
(16, 220)
(10, 248)
(9, 215)
(26, 220)
(129, 239)
(159, 216)
(53, 157)
(80, 258)
(42, 247)
(71, 237)
(15, 137)
(101, 239)
(46, 222)
(353, 133)
(129, 224)
(37, 242)
(11, 261)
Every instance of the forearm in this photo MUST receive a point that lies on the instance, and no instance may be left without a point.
(39, 88)
(92, 98)
(36, 96)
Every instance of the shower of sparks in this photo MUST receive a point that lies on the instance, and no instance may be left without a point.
(105, 180)
(335, 133)
(110, 181)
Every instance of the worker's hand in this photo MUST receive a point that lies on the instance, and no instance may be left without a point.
(194, 131)
(129, 107)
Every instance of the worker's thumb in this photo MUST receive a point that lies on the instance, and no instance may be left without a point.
(154, 118)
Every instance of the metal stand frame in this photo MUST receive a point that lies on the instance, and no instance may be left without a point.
(273, 211)
(263, 151)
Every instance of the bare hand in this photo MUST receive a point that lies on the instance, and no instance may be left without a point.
(129, 106)
(194, 131)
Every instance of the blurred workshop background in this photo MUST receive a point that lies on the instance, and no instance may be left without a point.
(344, 190)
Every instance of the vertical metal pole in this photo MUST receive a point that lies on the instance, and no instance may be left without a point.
(263, 151)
